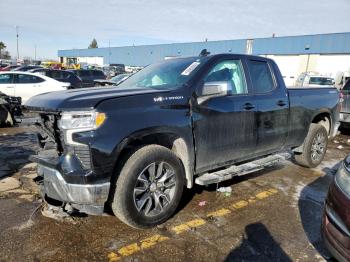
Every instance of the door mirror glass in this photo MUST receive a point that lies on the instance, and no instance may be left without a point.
(214, 89)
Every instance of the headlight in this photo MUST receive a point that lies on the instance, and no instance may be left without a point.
(342, 178)
(79, 121)
(88, 120)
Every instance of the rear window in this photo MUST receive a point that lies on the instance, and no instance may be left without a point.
(56, 74)
(347, 85)
(28, 79)
(83, 73)
(65, 74)
(5, 79)
(261, 76)
(97, 73)
(323, 81)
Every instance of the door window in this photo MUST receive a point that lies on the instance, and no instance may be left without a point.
(261, 76)
(5, 79)
(56, 74)
(97, 73)
(231, 71)
(83, 73)
(28, 79)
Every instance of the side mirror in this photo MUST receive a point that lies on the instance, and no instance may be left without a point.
(214, 89)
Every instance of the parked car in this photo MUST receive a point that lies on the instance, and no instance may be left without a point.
(179, 122)
(116, 80)
(9, 67)
(61, 76)
(26, 68)
(88, 76)
(335, 222)
(26, 85)
(9, 108)
(313, 80)
(344, 116)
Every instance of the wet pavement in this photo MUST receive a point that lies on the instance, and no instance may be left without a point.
(272, 215)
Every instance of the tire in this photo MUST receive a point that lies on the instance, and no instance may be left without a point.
(135, 197)
(5, 117)
(314, 147)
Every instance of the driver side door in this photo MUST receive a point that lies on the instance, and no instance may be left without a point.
(225, 126)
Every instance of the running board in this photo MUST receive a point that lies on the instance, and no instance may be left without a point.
(239, 170)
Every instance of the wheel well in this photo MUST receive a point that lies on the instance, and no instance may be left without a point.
(323, 119)
(171, 141)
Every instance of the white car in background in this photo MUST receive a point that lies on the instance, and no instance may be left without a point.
(26, 85)
(314, 80)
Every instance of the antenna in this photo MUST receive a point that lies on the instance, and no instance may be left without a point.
(204, 52)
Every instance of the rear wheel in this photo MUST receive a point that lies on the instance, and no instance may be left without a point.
(149, 187)
(314, 147)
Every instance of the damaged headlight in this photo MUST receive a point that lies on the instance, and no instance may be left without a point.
(79, 121)
(342, 177)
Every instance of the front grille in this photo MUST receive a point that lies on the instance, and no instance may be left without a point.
(83, 154)
(49, 134)
(52, 138)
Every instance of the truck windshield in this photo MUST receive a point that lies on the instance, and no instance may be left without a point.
(168, 74)
(323, 81)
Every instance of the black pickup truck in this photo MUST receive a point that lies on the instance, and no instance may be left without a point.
(175, 123)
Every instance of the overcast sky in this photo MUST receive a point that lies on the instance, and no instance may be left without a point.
(66, 24)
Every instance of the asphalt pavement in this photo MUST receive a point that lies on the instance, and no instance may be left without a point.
(271, 215)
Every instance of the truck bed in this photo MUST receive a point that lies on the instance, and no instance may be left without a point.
(305, 102)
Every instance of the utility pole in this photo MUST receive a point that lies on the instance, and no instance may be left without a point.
(35, 52)
(17, 27)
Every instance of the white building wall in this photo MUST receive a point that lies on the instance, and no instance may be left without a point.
(95, 60)
(292, 66)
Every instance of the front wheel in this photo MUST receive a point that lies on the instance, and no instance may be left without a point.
(314, 147)
(149, 187)
(6, 118)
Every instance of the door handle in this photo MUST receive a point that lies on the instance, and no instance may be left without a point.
(10, 87)
(248, 106)
(281, 103)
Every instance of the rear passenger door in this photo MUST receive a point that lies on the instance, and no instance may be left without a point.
(28, 86)
(272, 106)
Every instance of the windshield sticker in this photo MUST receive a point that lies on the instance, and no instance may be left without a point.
(190, 68)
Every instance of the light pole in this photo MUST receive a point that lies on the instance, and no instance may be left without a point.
(35, 52)
(17, 27)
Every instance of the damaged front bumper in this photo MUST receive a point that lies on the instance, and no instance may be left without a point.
(87, 198)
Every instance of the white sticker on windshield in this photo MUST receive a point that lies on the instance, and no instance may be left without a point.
(190, 68)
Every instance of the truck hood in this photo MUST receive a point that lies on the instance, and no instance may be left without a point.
(82, 99)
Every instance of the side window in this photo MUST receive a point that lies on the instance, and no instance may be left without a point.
(229, 70)
(5, 79)
(83, 73)
(56, 74)
(65, 74)
(261, 76)
(97, 73)
(28, 79)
